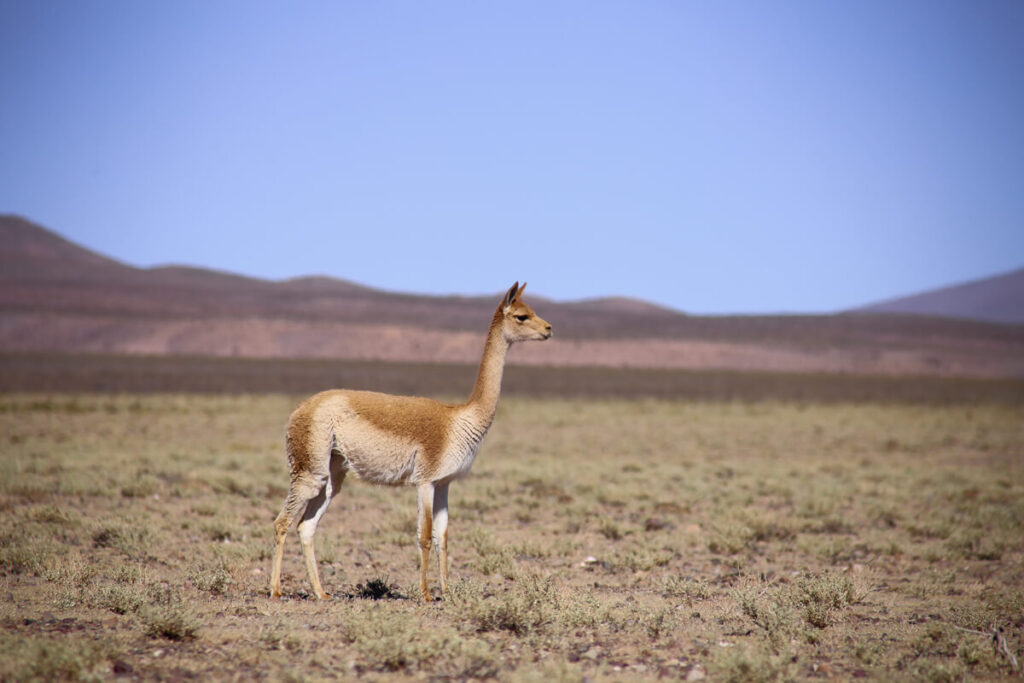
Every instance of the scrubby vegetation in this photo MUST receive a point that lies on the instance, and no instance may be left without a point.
(600, 538)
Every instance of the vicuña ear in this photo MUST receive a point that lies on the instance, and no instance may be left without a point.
(520, 292)
(511, 295)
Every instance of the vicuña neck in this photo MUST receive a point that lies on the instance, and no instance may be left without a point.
(488, 379)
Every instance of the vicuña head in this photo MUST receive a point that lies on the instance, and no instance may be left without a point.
(519, 322)
(395, 440)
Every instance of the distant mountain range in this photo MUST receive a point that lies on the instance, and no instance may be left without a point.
(998, 299)
(57, 296)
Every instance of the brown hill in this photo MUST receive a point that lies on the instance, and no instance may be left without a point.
(999, 299)
(57, 296)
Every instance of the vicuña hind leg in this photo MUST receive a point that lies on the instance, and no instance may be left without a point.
(298, 497)
(315, 510)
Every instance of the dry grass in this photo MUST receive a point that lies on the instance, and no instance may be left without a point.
(607, 539)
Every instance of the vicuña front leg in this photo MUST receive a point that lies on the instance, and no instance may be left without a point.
(424, 526)
(440, 533)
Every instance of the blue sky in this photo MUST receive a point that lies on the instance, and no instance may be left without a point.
(716, 157)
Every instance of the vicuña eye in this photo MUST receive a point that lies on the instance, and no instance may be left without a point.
(522, 318)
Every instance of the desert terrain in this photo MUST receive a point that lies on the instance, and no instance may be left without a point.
(596, 539)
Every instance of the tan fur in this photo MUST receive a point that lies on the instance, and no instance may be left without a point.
(297, 437)
(421, 420)
(395, 440)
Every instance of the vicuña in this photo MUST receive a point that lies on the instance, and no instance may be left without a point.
(395, 440)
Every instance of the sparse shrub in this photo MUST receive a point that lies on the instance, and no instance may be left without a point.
(124, 539)
(468, 659)
(730, 537)
(51, 514)
(681, 587)
(145, 485)
(22, 555)
(170, 622)
(610, 530)
(830, 524)
(642, 560)
(404, 524)
(530, 549)
(493, 558)
(544, 490)
(72, 572)
(128, 574)
(818, 600)
(215, 579)
(976, 545)
(65, 659)
(230, 484)
(279, 636)
(219, 531)
(120, 599)
(766, 528)
(15, 560)
(771, 609)
(937, 671)
(1007, 605)
(327, 551)
(72, 579)
(753, 665)
(207, 509)
(527, 607)
(166, 615)
(886, 516)
(584, 610)
(499, 562)
(392, 642)
(937, 639)
(835, 549)
(924, 529)
(870, 653)
(817, 508)
(971, 653)
(658, 623)
(824, 596)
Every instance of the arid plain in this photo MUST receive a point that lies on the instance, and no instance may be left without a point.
(638, 539)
